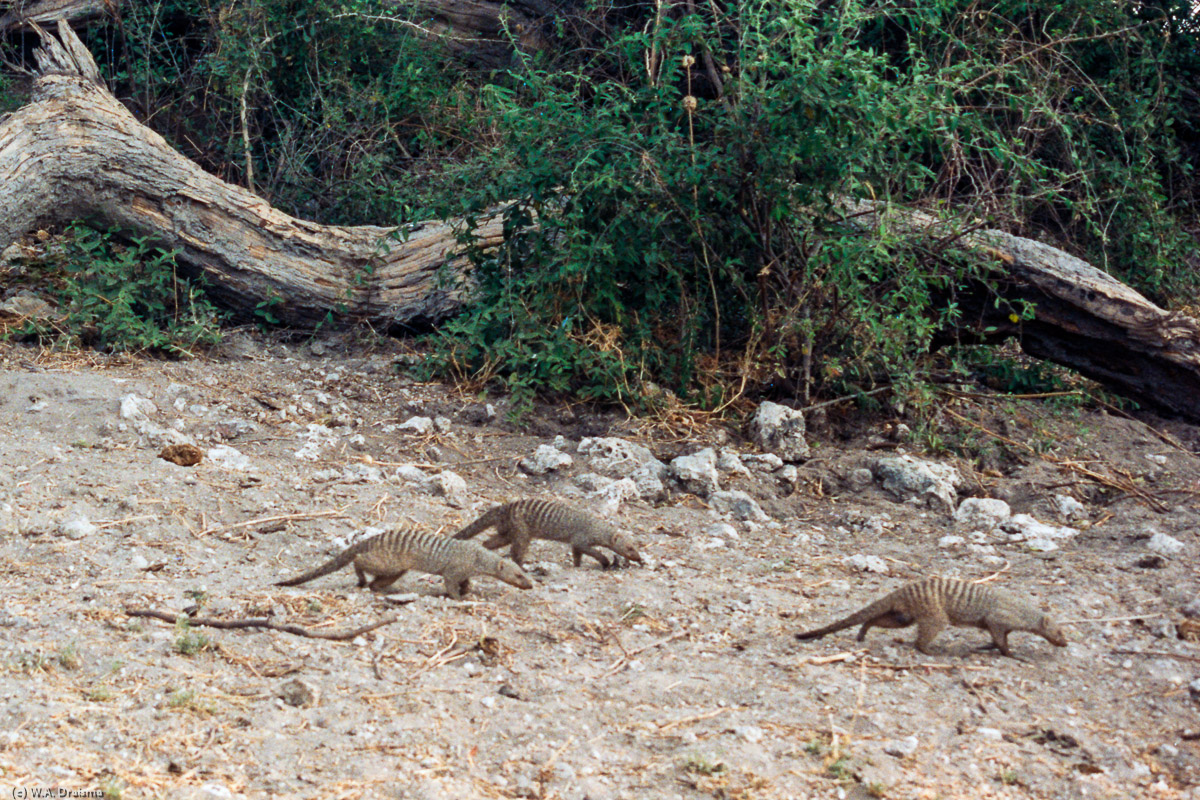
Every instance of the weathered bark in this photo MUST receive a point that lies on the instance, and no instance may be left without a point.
(77, 153)
(483, 30)
(19, 13)
(1083, 318)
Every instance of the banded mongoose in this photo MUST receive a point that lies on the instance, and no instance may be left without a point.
(936, 602)
(520, 521)
(394, 552)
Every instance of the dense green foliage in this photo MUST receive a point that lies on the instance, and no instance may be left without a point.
(675, 173)
(124, 296)
(684, 172)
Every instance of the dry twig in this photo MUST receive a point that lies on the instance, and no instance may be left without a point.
(259, 622)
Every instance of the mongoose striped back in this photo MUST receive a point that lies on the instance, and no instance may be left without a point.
(390, 554)
(936, 602)
(519, 522)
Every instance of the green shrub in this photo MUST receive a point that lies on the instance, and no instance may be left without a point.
(677, 189)
(119, 294)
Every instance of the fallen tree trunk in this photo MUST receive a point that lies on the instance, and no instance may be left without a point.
(1083, 318)
(20, 13)
(76, 153)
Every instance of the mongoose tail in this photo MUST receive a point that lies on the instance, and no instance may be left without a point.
(519, 522)
(389, 555)
(332, 565)
(936, 602)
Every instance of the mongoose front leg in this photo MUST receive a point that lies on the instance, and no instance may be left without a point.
(1000, 637)
(362, 576)
(577, 554)
(520, 534)
(456, 587)
(928, 630)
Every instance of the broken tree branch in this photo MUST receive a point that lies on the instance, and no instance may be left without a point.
(259, 622)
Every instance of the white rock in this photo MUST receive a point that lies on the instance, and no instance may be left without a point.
(739, 504)
(592, 482)
(561, 442)
(228, 457)
(1165, 545)
(357, 442)
(901, 748)
(614, 494)
(780, 430)
(417, 425)
(866, 563)
(441, 424)
(721, 530)
(729, 464)
(860, 479)
(1069, 508)
(763, 462)
(138, 561)
(410, 473)
(990, 733)
(788, 474)
(451, 486)
(1154, 458)
(545, 459)
(951, 541)
(362, 473)
(751, 733)
(1037, 536)
(648, 480)
(620, 457)
(316, 438)
(906, 477)
(697, 472)
(77, 528)
(135, 408)
(981, 513)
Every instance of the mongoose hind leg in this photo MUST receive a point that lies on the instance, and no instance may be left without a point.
(578, 552)
(385, 580)
(362, 576)
(890, 619)
(497, 541)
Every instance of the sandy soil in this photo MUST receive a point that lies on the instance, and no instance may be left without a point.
(676, 679)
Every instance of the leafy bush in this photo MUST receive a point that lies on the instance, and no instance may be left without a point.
(126, 295)
(678, 216)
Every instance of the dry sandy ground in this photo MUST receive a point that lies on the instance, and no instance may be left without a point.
(679, 678)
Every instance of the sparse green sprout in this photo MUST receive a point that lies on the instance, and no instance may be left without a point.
(703, 765)
(840, 769)
(68, 657)
(190, 642)
(633, 612)
(876, 789)
(198, 596)
(101, 694)
(181, 698)
(111, 788)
